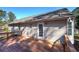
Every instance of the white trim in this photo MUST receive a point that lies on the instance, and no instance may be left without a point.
(39, 37)
(71, 37)
(69, 20)
(73, 30)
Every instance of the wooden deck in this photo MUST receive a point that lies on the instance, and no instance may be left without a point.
(21, 44)
(68, 45)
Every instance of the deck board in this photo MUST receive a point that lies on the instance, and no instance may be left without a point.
(21, 44)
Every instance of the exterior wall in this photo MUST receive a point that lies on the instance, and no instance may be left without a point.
(30, 31)
(52, 30)
(55, 30)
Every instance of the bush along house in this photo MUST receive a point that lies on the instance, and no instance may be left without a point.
(48, 26)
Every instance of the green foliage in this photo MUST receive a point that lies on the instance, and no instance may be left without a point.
(5, 18)
(2, 23)
(6, 29)
(77, 22)
(76, 11)
(11, 16)
(8, 17)
(2, 14)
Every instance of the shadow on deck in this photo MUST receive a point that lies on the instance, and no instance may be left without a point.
(21, 44)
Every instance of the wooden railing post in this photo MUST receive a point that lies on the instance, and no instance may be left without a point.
(7, 35)
(65, 43)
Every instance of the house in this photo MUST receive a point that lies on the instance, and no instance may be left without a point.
(48, 26)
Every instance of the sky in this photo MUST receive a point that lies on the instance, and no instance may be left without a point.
(22, 12)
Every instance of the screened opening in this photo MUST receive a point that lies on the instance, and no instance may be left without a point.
(69, 28)
(41, 30)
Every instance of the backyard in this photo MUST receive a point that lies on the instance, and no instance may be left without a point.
(56, 39)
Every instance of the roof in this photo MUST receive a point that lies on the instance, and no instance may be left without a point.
(53, 15)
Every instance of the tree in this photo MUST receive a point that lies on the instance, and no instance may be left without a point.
(5, 18)
(75, 12)
(2, 17)
(2, 14)
(77, 22)
(11, 16)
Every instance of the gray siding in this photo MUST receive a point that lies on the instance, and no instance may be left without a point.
(52, 30)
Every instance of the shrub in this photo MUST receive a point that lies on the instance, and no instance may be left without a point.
(6, 29)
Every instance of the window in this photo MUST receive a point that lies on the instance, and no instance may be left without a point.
(69, 27)
(41, 30)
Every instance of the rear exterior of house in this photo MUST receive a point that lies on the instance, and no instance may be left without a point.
(49, 26)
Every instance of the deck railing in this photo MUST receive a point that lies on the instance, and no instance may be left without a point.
(68, 46)
(7, 34)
